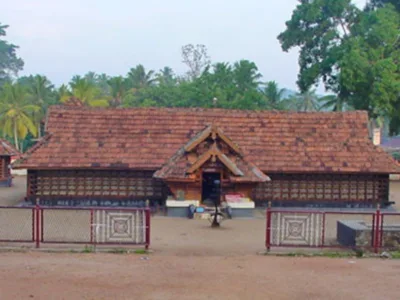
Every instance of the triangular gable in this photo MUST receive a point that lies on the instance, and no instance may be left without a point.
(213, 154)
(7, 149)
(179, 168)
(214, 132)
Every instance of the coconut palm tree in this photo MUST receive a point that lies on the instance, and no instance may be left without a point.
(222, 75)
(91, 77)
(63, 93)
(102, 84)
(16, 112)
(86, 92)
(166, 76)
(274, 95)
(334, 103)
(307, 101)
(139, 78)
(246, 75)
(118, 88)
(40, 90)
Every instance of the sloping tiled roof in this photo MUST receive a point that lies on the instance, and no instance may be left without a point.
(178, 167)
(6, 149)
(145, 138)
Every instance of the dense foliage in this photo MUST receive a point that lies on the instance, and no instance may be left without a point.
(354, 52)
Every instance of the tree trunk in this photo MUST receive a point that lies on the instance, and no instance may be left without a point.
(38, 131)
(16, 135)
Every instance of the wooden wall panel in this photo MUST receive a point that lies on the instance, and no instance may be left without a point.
(2, 167)
(95, 184)
(366, 188)
(4, 170)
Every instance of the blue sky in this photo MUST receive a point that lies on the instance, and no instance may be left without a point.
(60, 38)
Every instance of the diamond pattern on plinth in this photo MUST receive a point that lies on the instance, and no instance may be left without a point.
(296, 229)
(119, 227)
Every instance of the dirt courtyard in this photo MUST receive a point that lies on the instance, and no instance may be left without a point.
(15, 194)
(35, 275)
(190, 260)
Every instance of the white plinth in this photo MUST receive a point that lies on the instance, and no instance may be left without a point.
(184, 203)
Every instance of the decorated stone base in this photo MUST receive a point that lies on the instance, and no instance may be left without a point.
(242, 210)
(180, 208)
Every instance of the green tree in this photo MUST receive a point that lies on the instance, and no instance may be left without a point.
(16, 112)
(139, 78)
(100, 81)
(42, 96)
(370, 72)
(374, 4)
(63, 93)
(10, 63)
(354, 52)
(119, 88)
(246, 75)
(332, 102)
(306, 102)
(274, 95)
(166, 76)
(87, 92)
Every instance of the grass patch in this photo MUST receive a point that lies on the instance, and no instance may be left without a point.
(118, 251)
(141, 251)
(88, 249)
(335, 254)
(125, 251)
(395, 254)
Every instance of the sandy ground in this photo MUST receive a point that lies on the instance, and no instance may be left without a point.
(190, 260)
(14, 194)
(183, 237)
(129, 276)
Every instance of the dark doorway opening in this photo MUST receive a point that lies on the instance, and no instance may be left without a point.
(211, 188)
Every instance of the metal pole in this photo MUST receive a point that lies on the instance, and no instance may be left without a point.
(37, 210)
(323, 229)
(147, 212)
(377, 229)
(268, 227)
(91, 226)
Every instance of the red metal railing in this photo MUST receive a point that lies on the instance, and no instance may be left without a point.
(389, 230)
(320, 229)
(67, 225)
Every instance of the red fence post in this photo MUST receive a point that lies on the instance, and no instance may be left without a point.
(147, 212)
(33, 223)
(268, 227)
(41, 224)
(377, 229)
(382, 215)
(37, 214)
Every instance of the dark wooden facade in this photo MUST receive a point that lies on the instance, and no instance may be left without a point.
(94, 187)
(132, 188)
(4, 170)
(323, 189)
